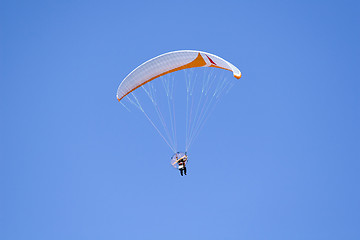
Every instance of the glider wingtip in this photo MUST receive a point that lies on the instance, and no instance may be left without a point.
(237, 76)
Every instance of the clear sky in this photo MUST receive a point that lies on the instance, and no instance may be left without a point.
(278, 159)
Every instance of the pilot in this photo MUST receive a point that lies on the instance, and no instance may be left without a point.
(181, 164)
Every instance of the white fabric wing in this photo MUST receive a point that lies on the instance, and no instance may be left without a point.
(171, 62)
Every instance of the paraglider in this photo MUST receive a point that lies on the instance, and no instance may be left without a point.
(203, 91)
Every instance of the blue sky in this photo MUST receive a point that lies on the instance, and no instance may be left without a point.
(278, 159)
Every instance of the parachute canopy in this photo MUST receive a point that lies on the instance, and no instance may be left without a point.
(168, 63)
(166, 102)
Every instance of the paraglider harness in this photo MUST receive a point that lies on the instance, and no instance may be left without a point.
(181, 163)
